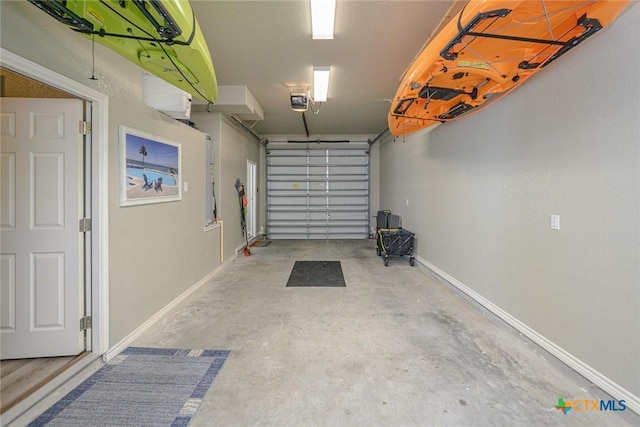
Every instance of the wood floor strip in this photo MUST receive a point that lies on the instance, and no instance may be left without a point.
(20, 378)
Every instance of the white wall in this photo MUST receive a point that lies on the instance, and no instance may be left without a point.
(233, 148)
(156, 251)
(481, 191)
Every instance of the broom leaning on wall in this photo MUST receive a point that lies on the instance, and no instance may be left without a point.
(243, 209)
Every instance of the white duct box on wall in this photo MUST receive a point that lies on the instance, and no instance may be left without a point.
(166, 98)
(239, 101)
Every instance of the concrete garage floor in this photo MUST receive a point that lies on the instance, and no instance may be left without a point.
(396, 347)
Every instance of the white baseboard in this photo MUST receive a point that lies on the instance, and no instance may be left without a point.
(614, 389)
(243, 245)
(41, 399)
(126, 341)
(240, 248)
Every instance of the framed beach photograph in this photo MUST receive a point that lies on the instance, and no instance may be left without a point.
(150, 168)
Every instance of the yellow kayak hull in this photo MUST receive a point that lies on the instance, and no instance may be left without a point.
(161, 36)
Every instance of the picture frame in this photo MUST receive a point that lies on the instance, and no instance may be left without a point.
(150, 168)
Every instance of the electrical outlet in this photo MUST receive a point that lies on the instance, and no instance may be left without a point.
(555, 222)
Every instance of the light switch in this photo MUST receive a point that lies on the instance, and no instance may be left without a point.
(185, 186)
(555, 222)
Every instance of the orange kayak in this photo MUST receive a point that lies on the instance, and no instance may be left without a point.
(489, 48)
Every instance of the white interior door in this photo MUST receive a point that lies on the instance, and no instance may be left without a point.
(42, 265)
(251, 198)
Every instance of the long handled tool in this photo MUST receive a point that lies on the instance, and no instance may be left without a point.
(213, 196)
(243, 208)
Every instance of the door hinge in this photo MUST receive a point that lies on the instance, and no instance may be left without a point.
(85, 323)
(85, 225)
(85, 127)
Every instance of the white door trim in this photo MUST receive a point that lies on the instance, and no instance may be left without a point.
(99, 190)
(252, 177)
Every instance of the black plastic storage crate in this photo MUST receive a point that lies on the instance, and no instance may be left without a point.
(382, 220)
(386, 219)
(395, 221)
(395, 242)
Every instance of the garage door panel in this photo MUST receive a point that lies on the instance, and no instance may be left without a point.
(318, 193)
(290, 170)
(349, 215)
(346, 201)
(349, 186)
(282, 217)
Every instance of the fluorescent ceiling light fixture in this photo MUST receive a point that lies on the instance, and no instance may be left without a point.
(320, 83)
(323, 16)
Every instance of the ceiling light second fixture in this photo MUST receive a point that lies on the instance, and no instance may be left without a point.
(323, 16)
(321, 83)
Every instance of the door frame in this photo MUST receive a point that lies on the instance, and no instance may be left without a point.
(251, 187)
(99, 287)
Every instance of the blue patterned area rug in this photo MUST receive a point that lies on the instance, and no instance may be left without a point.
(140, 386)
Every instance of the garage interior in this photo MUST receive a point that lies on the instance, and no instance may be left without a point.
(503, 313)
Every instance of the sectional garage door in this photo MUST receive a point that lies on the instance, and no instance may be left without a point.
(318, 193)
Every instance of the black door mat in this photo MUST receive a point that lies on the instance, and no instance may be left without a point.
(317, 273)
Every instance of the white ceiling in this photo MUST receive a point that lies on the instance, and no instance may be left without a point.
(267, 46)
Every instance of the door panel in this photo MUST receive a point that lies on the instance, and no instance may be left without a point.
(42, 200)
(47, 191)
(47, 291)
(7, 191)
(8, 295)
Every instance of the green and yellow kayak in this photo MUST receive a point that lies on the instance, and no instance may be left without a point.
(161, 36)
